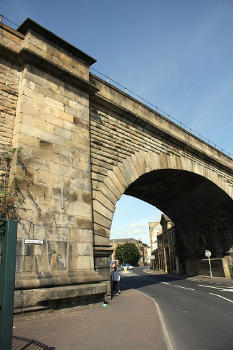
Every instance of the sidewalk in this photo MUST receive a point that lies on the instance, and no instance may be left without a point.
(130, 321)
(198, 278)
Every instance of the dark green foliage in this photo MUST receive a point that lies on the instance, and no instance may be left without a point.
(231, 271)
(127, 253)
(9, 190)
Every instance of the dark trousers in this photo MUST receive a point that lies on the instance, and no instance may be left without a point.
(115, 286)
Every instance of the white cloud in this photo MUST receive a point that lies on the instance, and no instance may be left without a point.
(138, 230)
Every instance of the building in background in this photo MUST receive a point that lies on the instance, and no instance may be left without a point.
(142, 247)
(169, 254)
(154, 230)
(165, 254)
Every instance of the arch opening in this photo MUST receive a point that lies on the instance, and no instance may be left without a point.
(201, 212)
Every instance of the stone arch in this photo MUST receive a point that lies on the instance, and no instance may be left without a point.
(123, 174)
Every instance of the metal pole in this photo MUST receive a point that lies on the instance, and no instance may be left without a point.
(210, 268)
(7, 279)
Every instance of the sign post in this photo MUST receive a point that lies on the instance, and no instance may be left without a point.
(208, 254)
(7, 280)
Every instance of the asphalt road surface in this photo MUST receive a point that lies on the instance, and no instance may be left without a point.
(197, 314)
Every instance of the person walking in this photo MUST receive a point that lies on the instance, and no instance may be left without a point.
(115, 277)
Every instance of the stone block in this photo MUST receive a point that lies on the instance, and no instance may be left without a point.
(37, 77)
(101, 231)
(28, 140)
(125, 172)
(26, 107)
(37, 96)
(80, 208)
(44, 154)
(29, 264)
(120, 177)
(82, 235)
(104, 272)
(66, 117)
(54, 120)
(98, 195)
(74, 143)
(102, 240)
(61, 255)
(103, 210)
(101, 220)
(131, 170)
(84, 249)
(41, 134)
(84, 223)
(36, 297)
(71, 111)
(106, 192)
(65, 134)
(85, 263)
(81, 123)
(19, 265)
(113, 187)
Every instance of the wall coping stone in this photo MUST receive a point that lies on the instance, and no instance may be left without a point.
(11, 30)
(29, 24)
(27, 56)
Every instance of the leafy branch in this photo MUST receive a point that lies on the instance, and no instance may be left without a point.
(9, 188)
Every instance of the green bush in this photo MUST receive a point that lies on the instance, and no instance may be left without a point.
(231, 271)
(9, 189)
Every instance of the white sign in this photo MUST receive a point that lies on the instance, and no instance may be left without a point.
(151, 257)
(34, 241)
(208, 254)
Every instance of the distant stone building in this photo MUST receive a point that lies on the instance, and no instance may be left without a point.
(165, 254)
(142, 247)
(154, 230)
(169, 254)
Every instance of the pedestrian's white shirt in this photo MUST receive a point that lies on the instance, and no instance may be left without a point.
(116, 275)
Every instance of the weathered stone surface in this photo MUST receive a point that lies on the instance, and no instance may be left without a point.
(28, 298)
(9, 83)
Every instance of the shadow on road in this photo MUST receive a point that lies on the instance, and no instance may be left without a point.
(20, 343)
(143, 280)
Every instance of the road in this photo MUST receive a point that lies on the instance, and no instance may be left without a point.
(197, 314)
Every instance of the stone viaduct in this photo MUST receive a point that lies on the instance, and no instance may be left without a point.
(85, 143)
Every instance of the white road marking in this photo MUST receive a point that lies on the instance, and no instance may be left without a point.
(175, 285)
(220, 296)
(222, 289)
(165, 282)
(227, 290)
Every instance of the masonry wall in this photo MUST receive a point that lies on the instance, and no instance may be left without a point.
(117, 141)
(9, 82)
(128, 141)
(52, 127)
(10, 73)
(46, 112)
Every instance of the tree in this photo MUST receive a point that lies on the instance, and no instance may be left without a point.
(127, 253)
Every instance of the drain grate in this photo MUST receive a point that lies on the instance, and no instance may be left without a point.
(20, 343)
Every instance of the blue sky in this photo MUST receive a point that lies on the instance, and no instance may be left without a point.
(177, 54)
